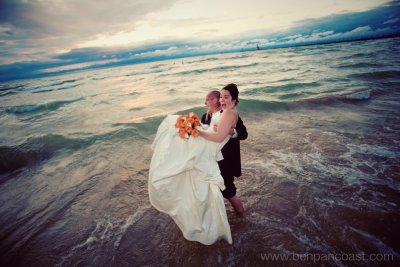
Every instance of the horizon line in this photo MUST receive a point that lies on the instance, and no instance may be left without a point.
(181, 56)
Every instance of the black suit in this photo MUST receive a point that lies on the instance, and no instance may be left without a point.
(230, 166)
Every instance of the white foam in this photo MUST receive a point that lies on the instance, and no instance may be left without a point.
(374, 150)
(107, 229)
(360, 95)
(130, 221)
(377, 242)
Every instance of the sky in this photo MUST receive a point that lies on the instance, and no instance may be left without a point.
(44, 37)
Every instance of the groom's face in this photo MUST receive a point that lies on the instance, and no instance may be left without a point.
(210, 101)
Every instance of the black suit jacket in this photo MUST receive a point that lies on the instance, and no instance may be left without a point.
(231, 150)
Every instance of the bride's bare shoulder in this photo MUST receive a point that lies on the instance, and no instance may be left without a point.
(231, 114)
(228, 112)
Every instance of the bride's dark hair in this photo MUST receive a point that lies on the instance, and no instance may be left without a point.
(234, 92)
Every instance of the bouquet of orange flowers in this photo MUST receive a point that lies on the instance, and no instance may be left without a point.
(186, 125)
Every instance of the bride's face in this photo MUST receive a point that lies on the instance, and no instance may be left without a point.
(226, 100)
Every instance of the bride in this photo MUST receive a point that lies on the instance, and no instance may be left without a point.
(184, 177)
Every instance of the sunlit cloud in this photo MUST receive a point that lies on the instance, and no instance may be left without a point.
(51, 36)
(52, 25)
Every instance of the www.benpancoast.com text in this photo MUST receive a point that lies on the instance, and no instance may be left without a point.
(323, 257)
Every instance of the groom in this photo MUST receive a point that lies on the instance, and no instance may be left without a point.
(230, 166)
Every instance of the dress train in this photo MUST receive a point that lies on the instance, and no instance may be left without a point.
(185, 183)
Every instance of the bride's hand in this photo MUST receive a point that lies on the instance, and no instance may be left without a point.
(215, 127)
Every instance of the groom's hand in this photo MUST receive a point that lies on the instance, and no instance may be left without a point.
(231, 132)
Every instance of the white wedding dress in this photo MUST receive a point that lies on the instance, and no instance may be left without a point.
(185, 183)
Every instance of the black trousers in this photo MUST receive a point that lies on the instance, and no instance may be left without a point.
(230, 188)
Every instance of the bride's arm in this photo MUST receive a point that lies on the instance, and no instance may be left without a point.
(223, 130)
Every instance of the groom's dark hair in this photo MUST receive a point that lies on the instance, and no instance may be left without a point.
(233, 90)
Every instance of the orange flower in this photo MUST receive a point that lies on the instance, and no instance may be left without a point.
(195, 132)
(186, 125)
(180, 121)
(182, 133)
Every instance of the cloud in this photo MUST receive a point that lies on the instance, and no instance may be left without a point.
(55, 24)
(395, 20)
(348, 21)
(75, 17)
(27, 25)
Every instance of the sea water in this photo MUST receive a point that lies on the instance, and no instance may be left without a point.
(321, 166)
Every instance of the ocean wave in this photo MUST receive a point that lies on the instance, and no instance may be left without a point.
(101, 78)
(239, 56)
(204, 60)
(251, 105)
(158, 66)
(283, 70)
(39, 148)
(135, 73)
(147, 125)
(11, 87)
(56, 83)
(286, 80)
(332, 49)
(296, 100)
(134, 93)
(298, 95)
(375, 75)
(56, 89)
(359, 65)
(360, 95)
(63, 82)
(356, 55)
(8, 93)
(220, 68)
(280, 88)
(36, 149)
(40, 107)
(353, 96)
